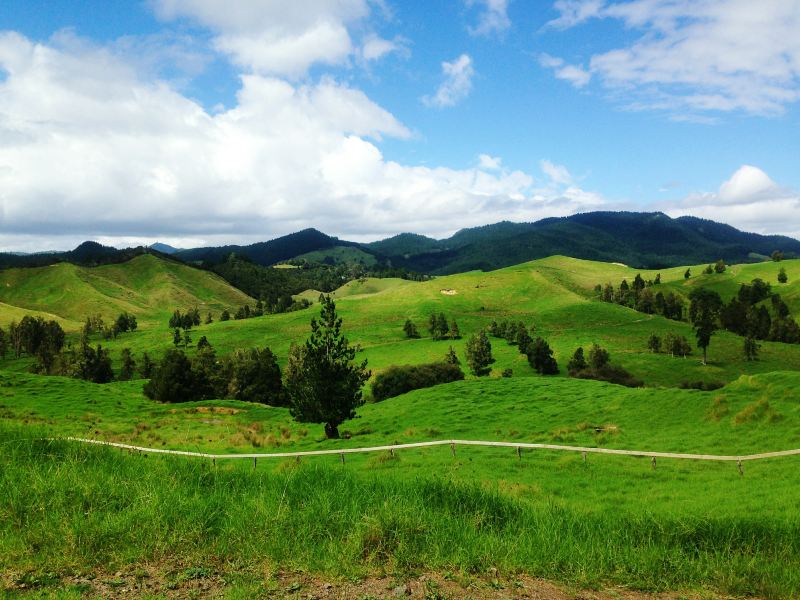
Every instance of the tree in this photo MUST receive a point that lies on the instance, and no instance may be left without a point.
(654, 343)
(203, 343)
(719, 267)
(704, 310)
(451, 357)
(455, 334)
(442, 327)
(177, 338)
(751, 348)
(147, 367)
(524, 339)
(225, 315)
(410, 329)
(187, 338)
(598, 357)
(777, 255)
(782, 277)
(325, 387)
(687, 274)
(708, 270)
(577, 362)
(174, 380)
(658, 279)
(3, 343)
(479, 353)
(128, 365)
(209, 319)
(256, 377)
(540, 357)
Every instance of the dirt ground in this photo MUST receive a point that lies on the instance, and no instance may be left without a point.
(196, 583)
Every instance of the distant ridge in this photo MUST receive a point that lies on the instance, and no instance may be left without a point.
(641, 240)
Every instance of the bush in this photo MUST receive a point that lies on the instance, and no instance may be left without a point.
(706, 386)
(611, 374)
(398, 380)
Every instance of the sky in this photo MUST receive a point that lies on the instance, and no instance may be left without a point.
(204, 122)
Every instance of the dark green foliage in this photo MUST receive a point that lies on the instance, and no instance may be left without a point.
(225, 315)
(755, 292)
(782, 277)
(708, 270)
(776, 255)
(203, 343)
(719, 266)
(91, 364)
(612, 374)
(410, 329)
(641, 297)
(438, 327)
(676, 345)
(3, 343)
(705, 386)
(185, 320)
(524, 339)
(187, 338)
(174, 380)
(209, 319)
(704, 309)
(658, 279)
(255, 377)
(577, 362)
(479, 354)
(540, 357)
(147, 367)
(455, 333)
(325, 384)
(243, 312)
(37, 338)
(750, 349)
(177, 338)
(451, 357)
(654, 343)
(687, 274)
(598, 357)
(507, 373)
(125, 322)
(398, 380)
(128, 365)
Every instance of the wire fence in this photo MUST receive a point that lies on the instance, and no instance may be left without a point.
(519, 446)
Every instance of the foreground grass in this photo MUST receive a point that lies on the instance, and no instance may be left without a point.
(68, 509)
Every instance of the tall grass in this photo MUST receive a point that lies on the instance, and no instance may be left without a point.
(65, 507)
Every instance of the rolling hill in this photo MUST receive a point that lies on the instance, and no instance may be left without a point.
(146, 286)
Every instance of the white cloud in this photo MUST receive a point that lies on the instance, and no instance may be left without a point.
(577, 76)
(696, 56)
(748, 200)
(556, 173)
(493, 18)
(272, 36)
(88, 149)
(489, 163)
(457, 83)
(375, 47)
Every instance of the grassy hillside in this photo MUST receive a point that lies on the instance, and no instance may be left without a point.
(145, 286)
(340, 255)
(553, 295)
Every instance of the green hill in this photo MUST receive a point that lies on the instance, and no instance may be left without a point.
(146, 286)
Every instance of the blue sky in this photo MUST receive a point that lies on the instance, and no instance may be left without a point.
(209, 121)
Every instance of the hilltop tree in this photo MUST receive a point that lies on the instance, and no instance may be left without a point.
(479, 353)
(325, 384)
(777, 255)
(687, 274)
(782, 277)
(704, 310)
(719, 267)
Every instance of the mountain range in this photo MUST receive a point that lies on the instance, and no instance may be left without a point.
(640, 240)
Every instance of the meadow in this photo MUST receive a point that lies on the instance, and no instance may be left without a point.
(697, 527)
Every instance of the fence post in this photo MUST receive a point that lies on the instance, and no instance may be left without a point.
(453, 448)
(739, 464)
(653, 462)
(342, 455)
(584, 457)
(255, 462)
(519, 453)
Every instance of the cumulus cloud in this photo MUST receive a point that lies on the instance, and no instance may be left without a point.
(91, 149)
(457, 83)
(492, 19)
(575, 75)
(749, 200)
(272, 36)
(709, 56)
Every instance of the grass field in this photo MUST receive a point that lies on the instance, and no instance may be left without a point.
(612, 520)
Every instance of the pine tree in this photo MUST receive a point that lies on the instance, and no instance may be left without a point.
(451, 357)
(479, 353)
(455, 334)
(687, 274)
(325, 387)
(782, 277)
(751, 348)
(128, 365)
(577, 362)
(704, 312)
(410, 329)
(541, 358)
(654, 343)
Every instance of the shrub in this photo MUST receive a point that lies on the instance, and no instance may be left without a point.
(611, 374)
(706, 386)
(398, 380)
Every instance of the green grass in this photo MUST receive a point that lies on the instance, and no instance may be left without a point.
(67, 508)
(611, 520)
(340, 254)
(146, 286)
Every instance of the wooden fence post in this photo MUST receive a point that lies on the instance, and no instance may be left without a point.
(741, 470)
(519, 453)
(342, 455)
(653, 462)
(453, 448)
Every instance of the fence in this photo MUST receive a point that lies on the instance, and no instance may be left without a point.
(519, 446)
